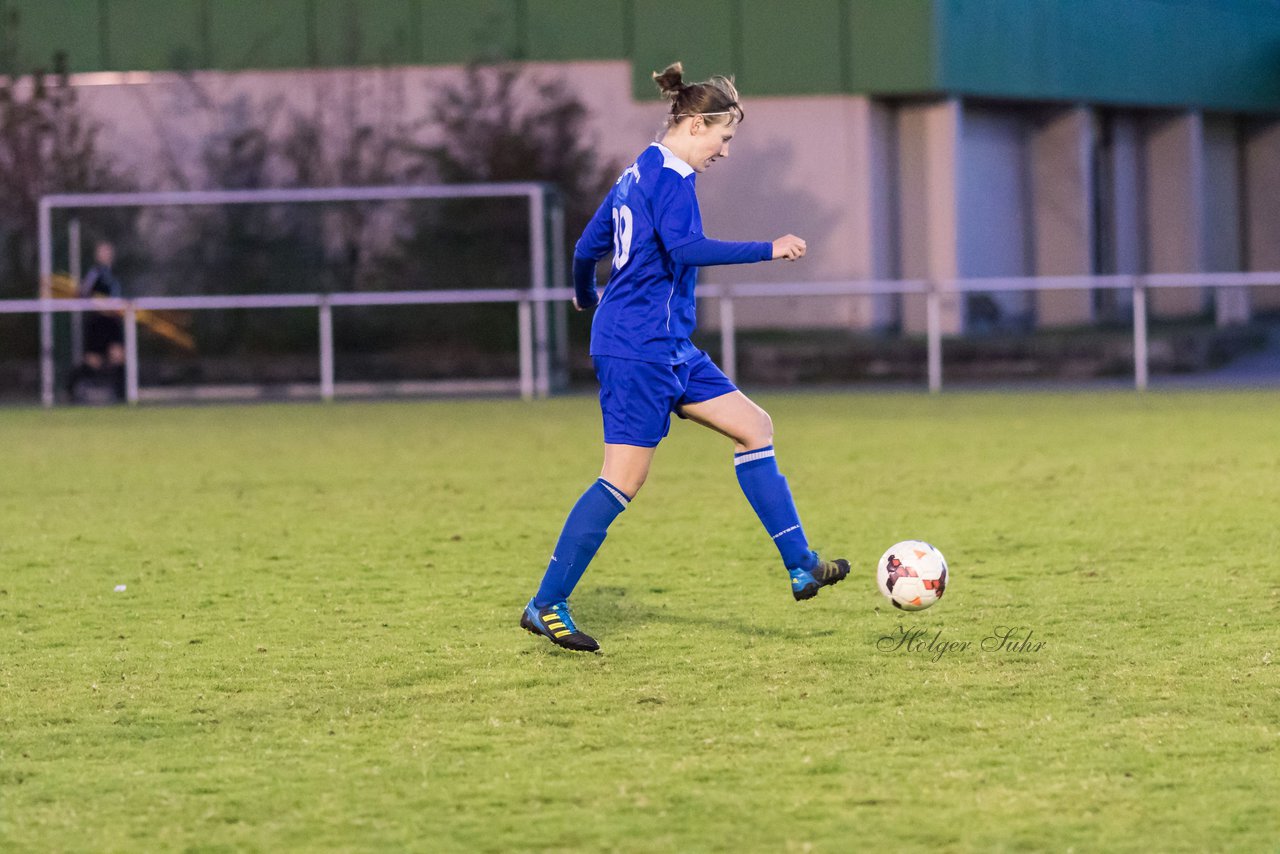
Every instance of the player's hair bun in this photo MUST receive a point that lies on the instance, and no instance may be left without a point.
(716, 98)
(671, 80)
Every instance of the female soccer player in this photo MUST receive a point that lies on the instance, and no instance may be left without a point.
(644, 360)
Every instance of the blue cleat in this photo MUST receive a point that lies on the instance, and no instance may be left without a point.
(555, 624)
(805, 583)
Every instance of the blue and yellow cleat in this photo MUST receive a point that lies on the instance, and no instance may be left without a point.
(806, 582)
(555, 624)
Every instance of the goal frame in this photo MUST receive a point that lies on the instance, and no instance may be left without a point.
(546, 260)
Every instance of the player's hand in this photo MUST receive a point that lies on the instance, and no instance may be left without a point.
(788, 247)
(577, 307)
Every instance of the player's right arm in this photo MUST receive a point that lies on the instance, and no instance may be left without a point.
(595, 243)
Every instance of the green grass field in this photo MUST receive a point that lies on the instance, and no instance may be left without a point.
(317, 648)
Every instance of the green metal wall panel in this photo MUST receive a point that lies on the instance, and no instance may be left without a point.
(468, 30)
(41, 28)
(892, 46)
(155, 35)
(258, 34)
(367, 32)
(799, 47)
(577, 29)
(1215, 54)
(702, 37)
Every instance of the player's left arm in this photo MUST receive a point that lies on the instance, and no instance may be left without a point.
(680, 226)
(705, 252)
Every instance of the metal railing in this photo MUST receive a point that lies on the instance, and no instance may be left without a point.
(536, 368)
(936, 292)
(534, 377)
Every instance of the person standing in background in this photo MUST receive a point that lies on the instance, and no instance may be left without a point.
(103, 330)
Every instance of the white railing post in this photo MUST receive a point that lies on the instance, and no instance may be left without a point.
(728, 335)
(538, 261)
(45, 222)
(73, 267)
(131, 352)
(559, 279)
(326, 348)
(933, 335)
(524, 315)
(1139, 334)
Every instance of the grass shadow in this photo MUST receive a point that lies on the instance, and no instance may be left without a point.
(612, 607)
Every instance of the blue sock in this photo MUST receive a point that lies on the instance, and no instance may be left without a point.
(770, 497)
(583, 533)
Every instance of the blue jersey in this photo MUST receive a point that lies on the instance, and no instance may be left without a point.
(647, 311)
(651, 223)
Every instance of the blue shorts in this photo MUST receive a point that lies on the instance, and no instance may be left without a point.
(637, 398)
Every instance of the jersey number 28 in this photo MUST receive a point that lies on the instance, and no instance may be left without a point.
(621, 236)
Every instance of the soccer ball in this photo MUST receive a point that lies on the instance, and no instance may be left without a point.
(912, 574)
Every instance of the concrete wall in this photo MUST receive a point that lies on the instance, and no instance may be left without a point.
(1120, 184)
(1223, 235)
(928, 144)
(1061, 198)
(934, 188)
(1175, 209)
(995, 234)
(1261, 190)
(825, 183)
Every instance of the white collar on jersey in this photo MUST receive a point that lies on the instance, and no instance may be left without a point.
(670, 161)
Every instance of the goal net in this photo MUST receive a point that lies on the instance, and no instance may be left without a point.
(284, 293)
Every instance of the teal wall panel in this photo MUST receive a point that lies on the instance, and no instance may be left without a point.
(799, 47)
(892, 46)
(40, 28)
(1223, 55)
(1238, 59)
(577, 29)
(701, 36)
(468, 30)
(367, 32)
(259, 34)
(155, 35)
